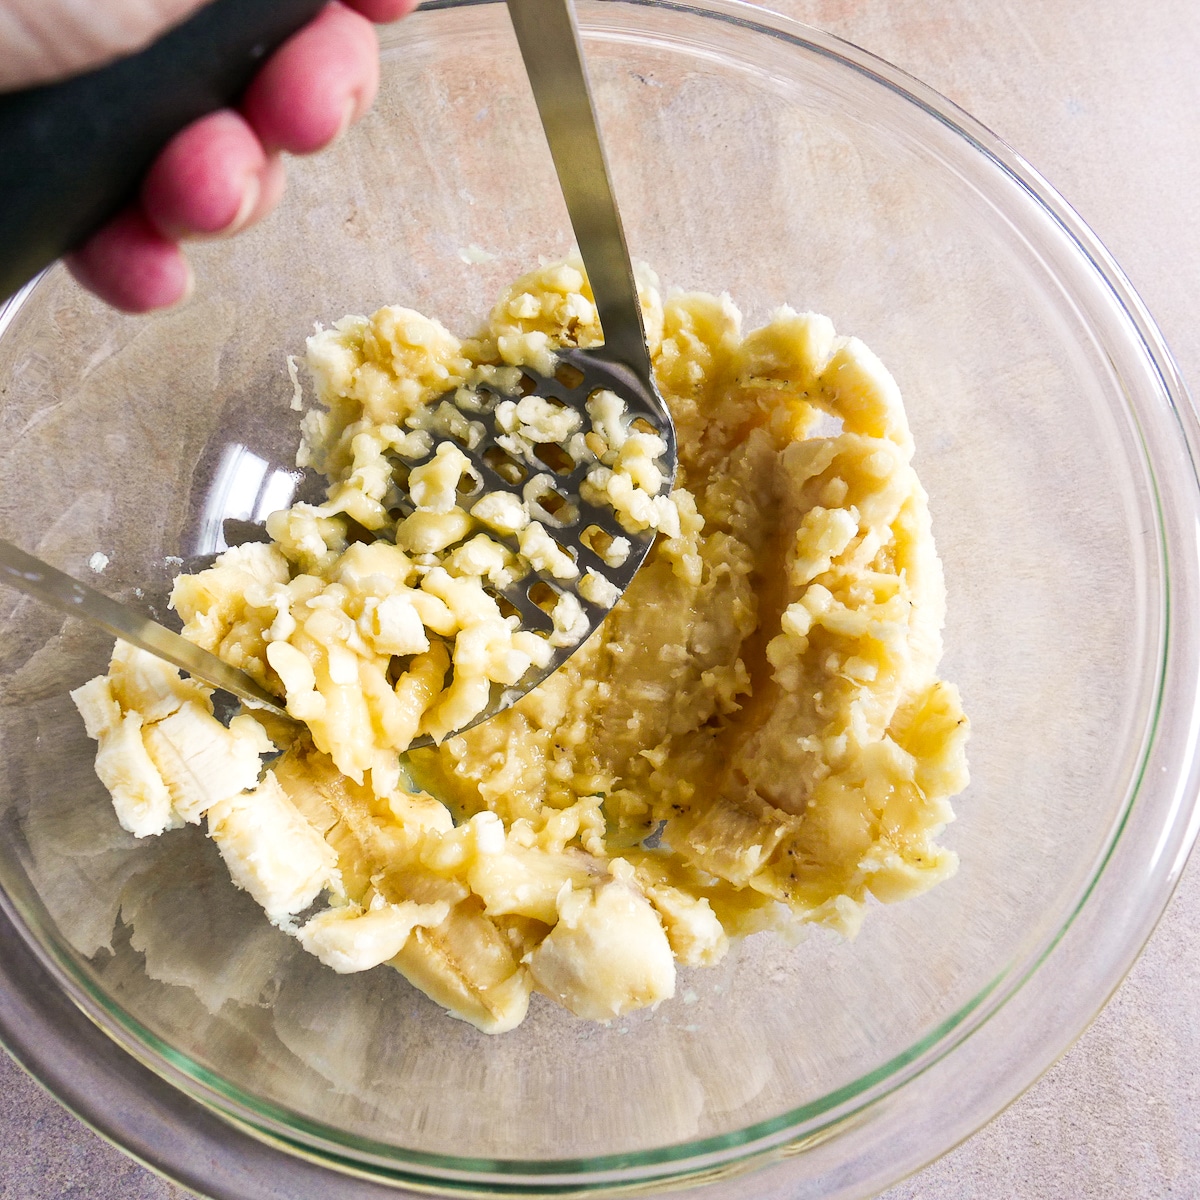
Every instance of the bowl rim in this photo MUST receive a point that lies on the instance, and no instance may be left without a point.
(261, 1128)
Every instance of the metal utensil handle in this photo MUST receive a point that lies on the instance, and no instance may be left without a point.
(549, 40)
(42, 581)
(72, 153)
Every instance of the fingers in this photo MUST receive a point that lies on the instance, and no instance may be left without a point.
(224, 172)
(131, 266)
(212, 178)
(318, 82)
(381, 12)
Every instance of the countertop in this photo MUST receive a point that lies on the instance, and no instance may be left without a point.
(1103, 97)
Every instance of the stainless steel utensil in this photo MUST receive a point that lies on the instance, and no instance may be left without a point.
(550, 46)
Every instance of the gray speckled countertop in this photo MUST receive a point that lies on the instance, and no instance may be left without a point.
(1103, 97)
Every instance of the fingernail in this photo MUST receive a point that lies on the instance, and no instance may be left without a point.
(348, 111)
(189, 285)
(250, 196)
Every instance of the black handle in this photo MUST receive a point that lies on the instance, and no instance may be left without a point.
(72, 153)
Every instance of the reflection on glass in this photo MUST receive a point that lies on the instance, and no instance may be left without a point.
(245, 487)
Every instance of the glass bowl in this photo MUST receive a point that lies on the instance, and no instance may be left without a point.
(751, 155)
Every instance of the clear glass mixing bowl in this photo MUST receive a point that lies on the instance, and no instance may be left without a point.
(750, 155)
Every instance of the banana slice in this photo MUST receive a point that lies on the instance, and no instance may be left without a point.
(608, 954)
(202, 762)
(150, 687)
(527, 882)
(467, 965)
(351, 938)
(139, 795)
(697, 938)
(271, 850)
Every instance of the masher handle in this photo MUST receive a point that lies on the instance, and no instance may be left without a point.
(549, 39)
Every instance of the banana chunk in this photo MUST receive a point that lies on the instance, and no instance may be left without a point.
(144, 684)
(350, 938)
(525, 882)
(139, 795)
(697, 938)
(607, 955)
(202, 762)
(467, 966)
(97, 706)
(271, 850)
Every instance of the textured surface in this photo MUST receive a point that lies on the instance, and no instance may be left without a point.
(1103, 98)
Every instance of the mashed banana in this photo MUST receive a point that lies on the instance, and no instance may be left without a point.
(755, 736)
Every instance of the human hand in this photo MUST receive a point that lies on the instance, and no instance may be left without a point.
(223, 172)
